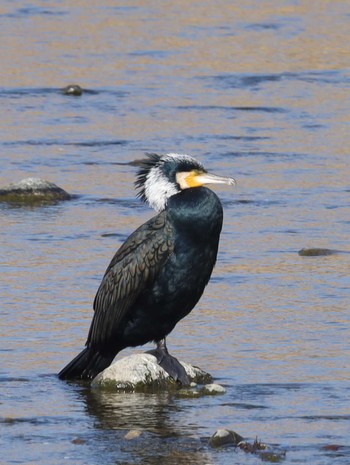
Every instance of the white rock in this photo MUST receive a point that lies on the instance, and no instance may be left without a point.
(213, 389)
(141, 372)
(31, 183)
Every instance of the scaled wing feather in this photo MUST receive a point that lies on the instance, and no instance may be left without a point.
(132, 269)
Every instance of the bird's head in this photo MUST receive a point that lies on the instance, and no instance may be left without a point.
(161, 176)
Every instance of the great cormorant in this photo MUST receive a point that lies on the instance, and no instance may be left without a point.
(158, 275)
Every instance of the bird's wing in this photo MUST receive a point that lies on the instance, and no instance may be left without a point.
(132, 269)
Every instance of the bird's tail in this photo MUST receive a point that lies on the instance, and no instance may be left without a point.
(86, 365)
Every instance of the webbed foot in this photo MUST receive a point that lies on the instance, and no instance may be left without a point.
(169, 363)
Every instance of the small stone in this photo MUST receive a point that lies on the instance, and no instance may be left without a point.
(132, 434)
(224, 437)
(212, 389)
(332, 447)
(316, 252)
(72, 89)
(32, 190)
(78, 441)
(9, 420)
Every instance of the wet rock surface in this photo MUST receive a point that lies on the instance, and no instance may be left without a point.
(32, 190)
(223, 437)
(72, 89)
(141, 372)
(212, 389)
(267, 453)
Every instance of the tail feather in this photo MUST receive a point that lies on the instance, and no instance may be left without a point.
(86, 365)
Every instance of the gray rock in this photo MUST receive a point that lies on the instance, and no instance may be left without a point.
(32, 190)
(223, 437)
(141, 372)
(212, 389)
(72, 89)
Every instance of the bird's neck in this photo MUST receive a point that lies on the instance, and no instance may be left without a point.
(197, 210)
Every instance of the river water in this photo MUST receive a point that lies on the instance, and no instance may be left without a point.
(258, 90)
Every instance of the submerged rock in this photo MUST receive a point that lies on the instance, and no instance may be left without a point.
(317, 252)
(141, 372)
(132, 434)
(188, 393)
(191, 391)
(32, 190)
(223, 437)
(265, 452)
(78, 441)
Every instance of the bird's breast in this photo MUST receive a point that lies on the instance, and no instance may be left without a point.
(196, 220)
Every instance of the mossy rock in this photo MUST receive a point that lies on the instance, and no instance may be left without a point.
(188, 393)
(31, 191)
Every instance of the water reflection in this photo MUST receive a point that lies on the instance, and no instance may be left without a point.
(154, 423)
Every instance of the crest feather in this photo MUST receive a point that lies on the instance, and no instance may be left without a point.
(156, 178)
(145, 165)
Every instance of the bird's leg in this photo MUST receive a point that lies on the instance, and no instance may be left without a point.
(169, 363)
(162, 349)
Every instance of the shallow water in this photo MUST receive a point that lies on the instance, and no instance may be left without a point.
(257, 91)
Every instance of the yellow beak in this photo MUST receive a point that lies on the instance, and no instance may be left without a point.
(196, 179)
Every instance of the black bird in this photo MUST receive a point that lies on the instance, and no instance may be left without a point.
(160, 272)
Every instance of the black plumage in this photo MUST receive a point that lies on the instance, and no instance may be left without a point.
(158, 275)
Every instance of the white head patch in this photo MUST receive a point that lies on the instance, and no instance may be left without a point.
(153, 178)
(158, 189)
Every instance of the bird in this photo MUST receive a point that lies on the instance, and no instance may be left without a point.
(160, 272)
